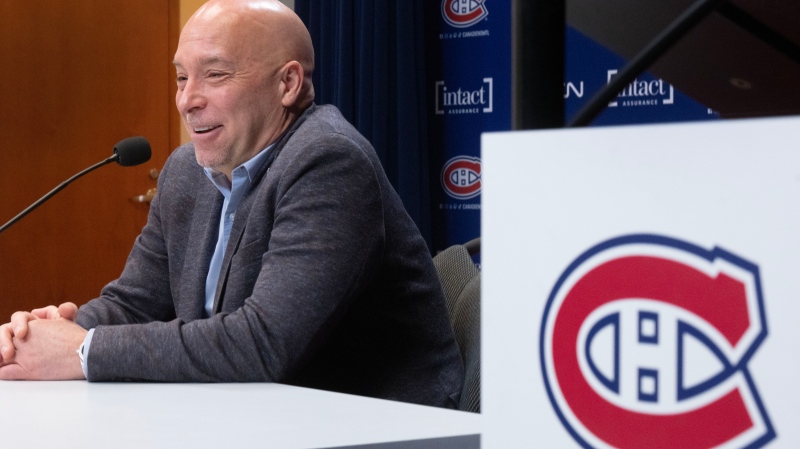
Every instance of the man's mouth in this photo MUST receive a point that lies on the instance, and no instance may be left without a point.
(205, 129)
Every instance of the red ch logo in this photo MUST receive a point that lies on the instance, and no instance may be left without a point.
(645, 342)
(463, 13)
(461, 177)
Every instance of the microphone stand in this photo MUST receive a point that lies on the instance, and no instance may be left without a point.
(41, 200)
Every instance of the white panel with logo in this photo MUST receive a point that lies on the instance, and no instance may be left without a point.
(641, 286)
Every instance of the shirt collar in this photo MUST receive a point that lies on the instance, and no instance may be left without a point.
(246, 169)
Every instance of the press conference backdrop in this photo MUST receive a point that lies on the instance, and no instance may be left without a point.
(469, 92)
(469, 68)
(590, 66)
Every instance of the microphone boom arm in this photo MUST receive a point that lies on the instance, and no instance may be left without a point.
(41, 200)
(127, 153)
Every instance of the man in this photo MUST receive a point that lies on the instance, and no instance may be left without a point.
(275, 249)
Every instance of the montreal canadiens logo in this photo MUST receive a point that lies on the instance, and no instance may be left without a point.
(461, 177)
(645, 342)
(463, 13)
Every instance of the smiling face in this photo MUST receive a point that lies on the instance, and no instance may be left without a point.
(235, 81)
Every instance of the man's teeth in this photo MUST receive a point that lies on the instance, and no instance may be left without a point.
(204, 129)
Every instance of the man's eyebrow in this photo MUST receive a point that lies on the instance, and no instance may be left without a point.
(210, 60)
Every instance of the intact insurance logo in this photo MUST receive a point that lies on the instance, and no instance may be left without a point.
(474, 99)
(463, 13)
(645, 342)
(461, 177)
(643, 93)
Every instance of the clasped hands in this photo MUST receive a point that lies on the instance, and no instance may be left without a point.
(41, 344)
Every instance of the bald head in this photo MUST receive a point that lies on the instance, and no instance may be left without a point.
(266, 30)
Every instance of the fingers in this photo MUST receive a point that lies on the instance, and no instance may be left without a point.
(6, 345)
(18, 326)
(19, 323)
(68, 311)
(46, 313)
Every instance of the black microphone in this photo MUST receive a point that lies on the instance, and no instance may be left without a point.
(127, 153)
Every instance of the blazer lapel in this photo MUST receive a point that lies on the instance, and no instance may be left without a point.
(200, 247)
(243, 210)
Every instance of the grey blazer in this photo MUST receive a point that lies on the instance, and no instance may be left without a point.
(326, 282)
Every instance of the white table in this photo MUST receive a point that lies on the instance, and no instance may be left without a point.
(78, 414)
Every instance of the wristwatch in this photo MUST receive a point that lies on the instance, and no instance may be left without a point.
(80, 355)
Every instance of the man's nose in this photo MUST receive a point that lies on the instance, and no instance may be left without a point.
(190, 98)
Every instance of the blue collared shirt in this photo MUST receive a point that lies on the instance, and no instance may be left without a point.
(232, 191)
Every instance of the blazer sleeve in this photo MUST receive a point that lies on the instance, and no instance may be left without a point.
(324, 246)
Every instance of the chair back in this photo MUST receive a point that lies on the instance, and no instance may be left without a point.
(461, 283)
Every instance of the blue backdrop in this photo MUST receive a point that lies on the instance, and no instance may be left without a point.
(469, 92)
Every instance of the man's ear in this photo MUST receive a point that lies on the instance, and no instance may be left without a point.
(291, 83)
